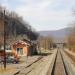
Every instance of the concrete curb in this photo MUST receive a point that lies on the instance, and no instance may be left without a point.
(50, 68)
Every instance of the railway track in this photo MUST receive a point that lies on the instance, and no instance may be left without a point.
(59, 66)
(29, 68)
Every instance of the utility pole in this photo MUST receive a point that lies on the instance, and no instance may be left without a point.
(4, 41)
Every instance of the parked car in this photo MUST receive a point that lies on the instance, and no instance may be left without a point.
(11, 60)
(1, 59)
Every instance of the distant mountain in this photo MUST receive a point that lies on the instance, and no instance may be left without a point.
(58, 35)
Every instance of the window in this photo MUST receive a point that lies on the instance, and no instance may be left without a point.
(20, 51)
(8, 47)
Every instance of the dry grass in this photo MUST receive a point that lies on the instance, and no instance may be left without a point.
(7, 70)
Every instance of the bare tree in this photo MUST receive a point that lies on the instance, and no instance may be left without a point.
(71, 37)
(45, 43)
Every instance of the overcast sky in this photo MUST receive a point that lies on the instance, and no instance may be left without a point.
(43, 14)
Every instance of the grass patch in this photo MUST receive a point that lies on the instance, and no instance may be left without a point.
(72, 46)
(7, 70)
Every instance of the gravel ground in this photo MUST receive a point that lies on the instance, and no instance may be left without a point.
(59, 67)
